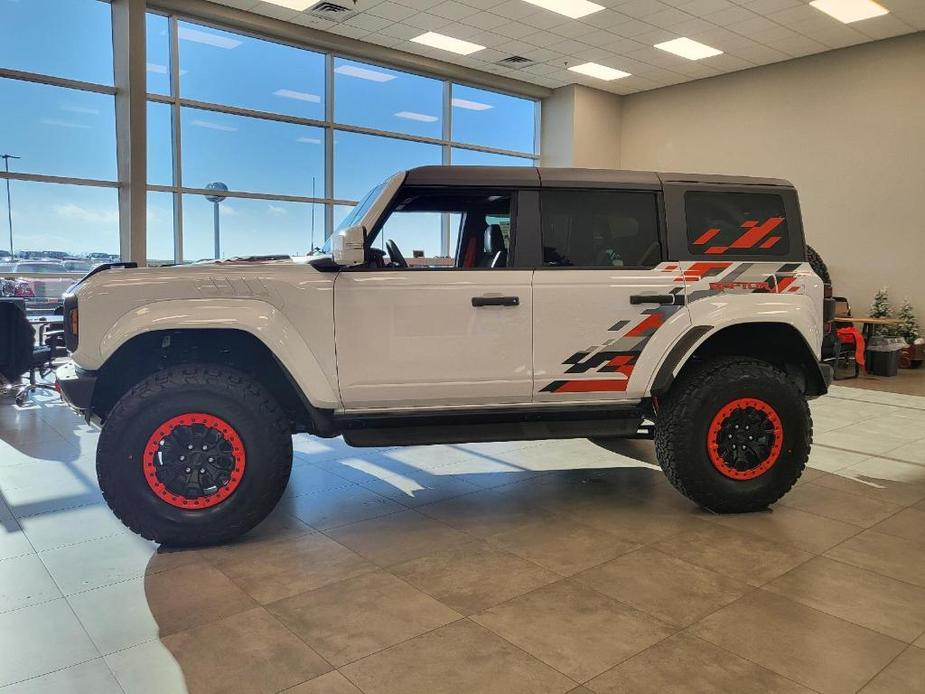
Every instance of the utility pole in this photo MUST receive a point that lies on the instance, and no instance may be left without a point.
(9, 206)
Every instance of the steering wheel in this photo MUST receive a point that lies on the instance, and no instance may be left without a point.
(398, 260)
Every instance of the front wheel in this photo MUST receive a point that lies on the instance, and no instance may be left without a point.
(195, 454)
(733, 434)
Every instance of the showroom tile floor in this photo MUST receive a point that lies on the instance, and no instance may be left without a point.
(522, 567)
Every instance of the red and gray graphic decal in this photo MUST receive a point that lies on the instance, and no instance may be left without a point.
(755, 235)
(616, 358)
(739, 278)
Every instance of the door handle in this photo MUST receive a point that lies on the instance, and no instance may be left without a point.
(662, 299)
(478, 301)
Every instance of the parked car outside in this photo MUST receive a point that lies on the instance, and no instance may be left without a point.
(81, 266)
(46, 292)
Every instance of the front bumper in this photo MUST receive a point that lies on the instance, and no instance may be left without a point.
(76, 386)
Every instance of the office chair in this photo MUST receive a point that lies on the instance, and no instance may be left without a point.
(19, 355)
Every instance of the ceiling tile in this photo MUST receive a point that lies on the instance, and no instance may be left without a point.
(704, 7)
(749, 32)
(640, 8)
(732, 15)
(426, 21)
(391, 10)
(667, 19)
(369, 22)
(453, 10)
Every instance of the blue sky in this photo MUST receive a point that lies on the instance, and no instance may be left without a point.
(71, 133)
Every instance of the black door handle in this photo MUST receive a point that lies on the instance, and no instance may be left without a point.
(655, 299)
(495, 301)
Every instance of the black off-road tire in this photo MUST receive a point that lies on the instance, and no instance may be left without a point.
(817, 264)
(683, 427)
(217, 390)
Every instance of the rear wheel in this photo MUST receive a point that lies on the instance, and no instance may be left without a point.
(194, 455)
(733, 435)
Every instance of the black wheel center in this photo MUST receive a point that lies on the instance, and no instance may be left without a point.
(194, 461)
(745, 438)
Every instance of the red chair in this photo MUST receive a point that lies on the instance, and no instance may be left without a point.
(849, 342)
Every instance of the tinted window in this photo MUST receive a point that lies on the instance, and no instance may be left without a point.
(58, 131)
(157, 64)
(736, 224)
(385, 99)
(226, 68)
(255, 155)
(599, 229)
(67, 38)
(490, 119)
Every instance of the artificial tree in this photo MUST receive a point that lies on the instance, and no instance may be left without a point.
(881, 308)
(908, 327)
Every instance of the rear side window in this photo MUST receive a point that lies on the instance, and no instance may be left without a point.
(736, 224)
(599, 229)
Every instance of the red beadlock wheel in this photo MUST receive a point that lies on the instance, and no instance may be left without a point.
(745, 438)
(194, 461)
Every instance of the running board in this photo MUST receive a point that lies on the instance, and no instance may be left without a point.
(489, 425)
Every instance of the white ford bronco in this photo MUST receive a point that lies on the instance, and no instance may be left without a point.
(564, 303)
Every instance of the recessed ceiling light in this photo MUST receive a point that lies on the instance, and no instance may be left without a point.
(207, 38)
(447, 43)
(298, 5)
(470, 105)
(421, 117)
(570, 8)
(363, 73)
(688, 48)
(298, 96)
(601, 72)
(214, 126)
(848, 11)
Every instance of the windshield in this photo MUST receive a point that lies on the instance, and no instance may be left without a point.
(356, 214)
(361, 208)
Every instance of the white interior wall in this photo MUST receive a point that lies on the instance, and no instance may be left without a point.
(580, 127)
(846, 127)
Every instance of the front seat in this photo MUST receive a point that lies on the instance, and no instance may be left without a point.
(495, 252)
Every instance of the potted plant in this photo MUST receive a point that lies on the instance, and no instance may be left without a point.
(908, 329)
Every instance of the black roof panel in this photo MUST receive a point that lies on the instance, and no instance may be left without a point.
(552, 177)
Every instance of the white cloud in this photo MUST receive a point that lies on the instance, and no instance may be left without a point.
(309, 140)
(85, 214)
(156, 68)
(276, 209)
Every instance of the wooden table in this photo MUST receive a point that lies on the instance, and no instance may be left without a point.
(868, 323)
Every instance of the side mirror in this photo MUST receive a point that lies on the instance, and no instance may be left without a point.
(348, 247)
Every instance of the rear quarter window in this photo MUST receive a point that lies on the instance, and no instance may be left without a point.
(731, 224)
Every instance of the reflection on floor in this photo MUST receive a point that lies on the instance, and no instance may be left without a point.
(525, 567)
(906, 381)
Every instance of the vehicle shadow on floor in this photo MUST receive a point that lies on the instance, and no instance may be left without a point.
(46, 458)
